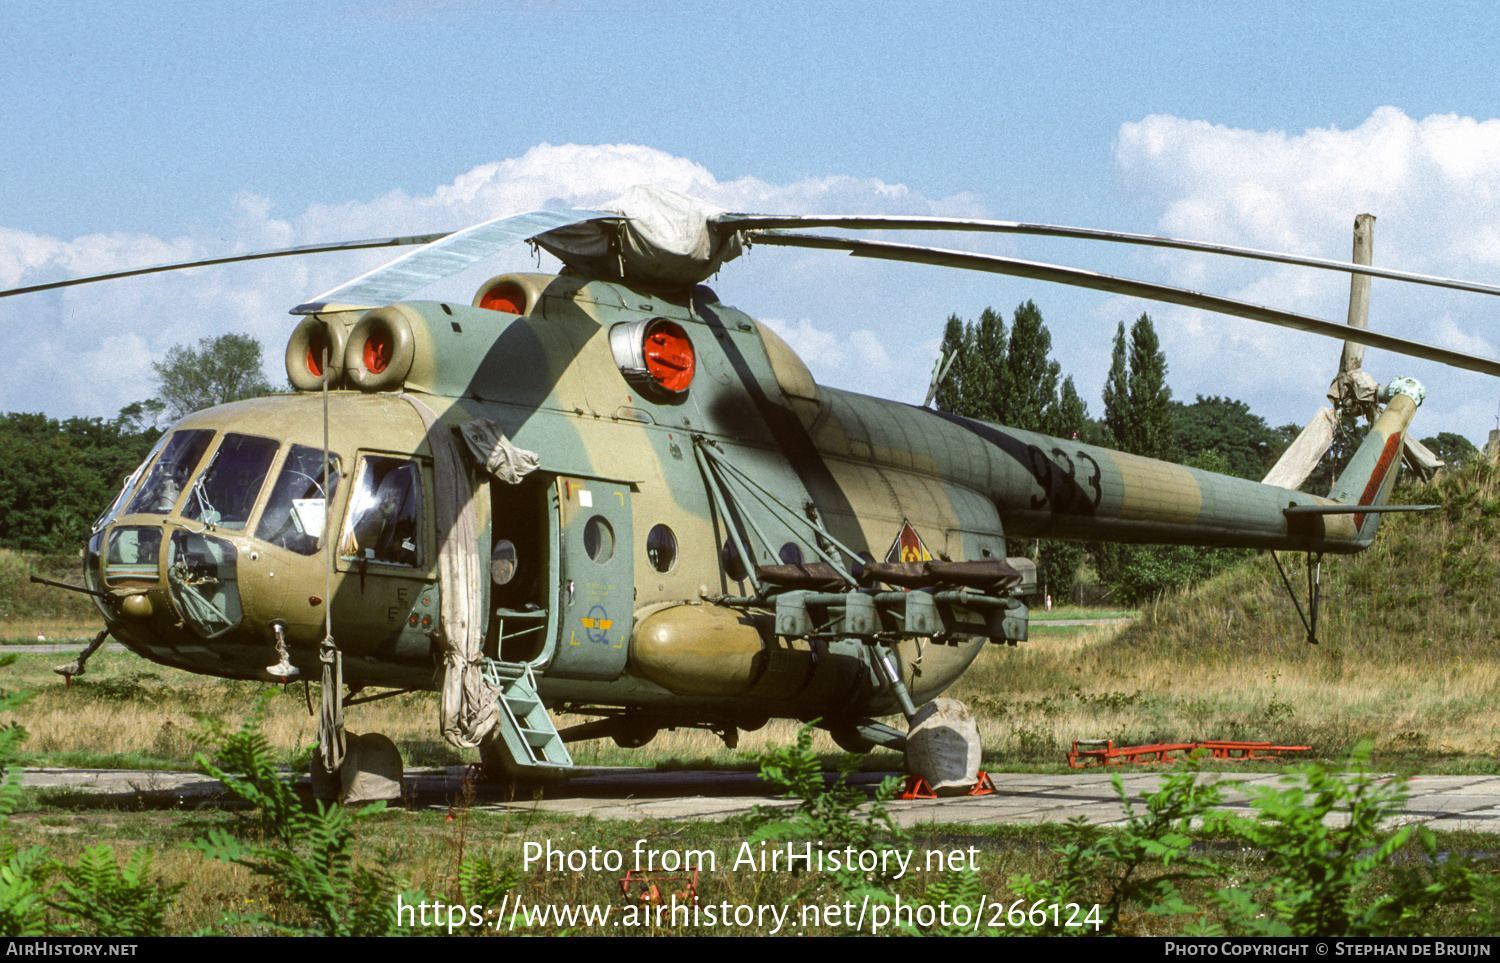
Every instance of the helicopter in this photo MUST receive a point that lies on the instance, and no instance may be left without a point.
(604, 492)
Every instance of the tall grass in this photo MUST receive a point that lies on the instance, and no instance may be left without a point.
(28, 609)
(1406, 656)
(126, 713)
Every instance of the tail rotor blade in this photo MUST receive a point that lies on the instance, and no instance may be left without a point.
(1303, 454)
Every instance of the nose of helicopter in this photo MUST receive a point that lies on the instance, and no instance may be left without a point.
(168, 561)
(222, 537)
(165, 587)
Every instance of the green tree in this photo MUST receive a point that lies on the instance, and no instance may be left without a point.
(57, 476)
(1249, 445)
(1137, 401)
(958, 345)
(1139, 413)
(1070, 415)
(1117, 392)
(986, 384)
(1452, 448)
(1031, 376)
(218, 371)
(1011, 380)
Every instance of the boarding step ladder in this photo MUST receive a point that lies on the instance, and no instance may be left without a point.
(525, 728)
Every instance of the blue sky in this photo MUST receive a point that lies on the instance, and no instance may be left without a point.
(138, 133)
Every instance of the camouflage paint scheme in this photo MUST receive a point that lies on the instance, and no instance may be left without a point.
(611, 627)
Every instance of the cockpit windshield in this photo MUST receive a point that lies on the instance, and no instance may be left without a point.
(224, 494)
(163, 487)
(128, 487)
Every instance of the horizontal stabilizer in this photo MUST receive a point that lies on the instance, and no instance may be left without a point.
(1353, 509)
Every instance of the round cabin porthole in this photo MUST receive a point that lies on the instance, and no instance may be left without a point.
(503, 562)
(661, 548)
(791, 554)
(734, 566)
(599, 539)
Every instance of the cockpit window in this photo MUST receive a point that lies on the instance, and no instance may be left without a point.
(135, 476)
(202, 575)
(385, 513)
(134, 554)
(294, 513)
(163, 487)
(224, 494)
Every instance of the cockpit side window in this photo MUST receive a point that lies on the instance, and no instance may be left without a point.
(385, 513)
(294, 514)
(125, 490)
(163, 487)
(224, 494)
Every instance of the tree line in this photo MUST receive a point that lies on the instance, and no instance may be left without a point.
(1007, 376)
(58, 475)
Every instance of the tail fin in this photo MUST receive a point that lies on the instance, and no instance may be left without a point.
(1371, 473)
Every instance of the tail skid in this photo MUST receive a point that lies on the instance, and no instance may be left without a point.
(1371, 473)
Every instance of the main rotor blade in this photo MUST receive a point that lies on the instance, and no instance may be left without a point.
(447, 256)
(1077, 277)
(231, 259)
(875, 222)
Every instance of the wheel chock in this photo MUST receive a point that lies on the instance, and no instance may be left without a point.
(917, 787)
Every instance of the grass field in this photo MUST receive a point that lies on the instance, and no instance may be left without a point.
(1406, 659)
(427, 851)
(1032, 701)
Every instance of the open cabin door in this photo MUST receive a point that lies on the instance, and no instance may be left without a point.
(522, 569)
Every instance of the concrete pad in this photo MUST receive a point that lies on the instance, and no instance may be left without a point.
(1440, 802)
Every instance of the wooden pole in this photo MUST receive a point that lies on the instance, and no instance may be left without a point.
(1359, 291)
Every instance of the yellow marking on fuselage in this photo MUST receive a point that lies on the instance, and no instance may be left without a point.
(1157, 492)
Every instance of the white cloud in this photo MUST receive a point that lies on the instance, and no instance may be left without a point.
(813, 345)
(586, 175)
(857, 360)
(22, 253)
(1434, 185)
(1450, 336)
(87, 350)
(861, 324)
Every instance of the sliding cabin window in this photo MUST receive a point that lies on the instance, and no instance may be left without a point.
(385, 513)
